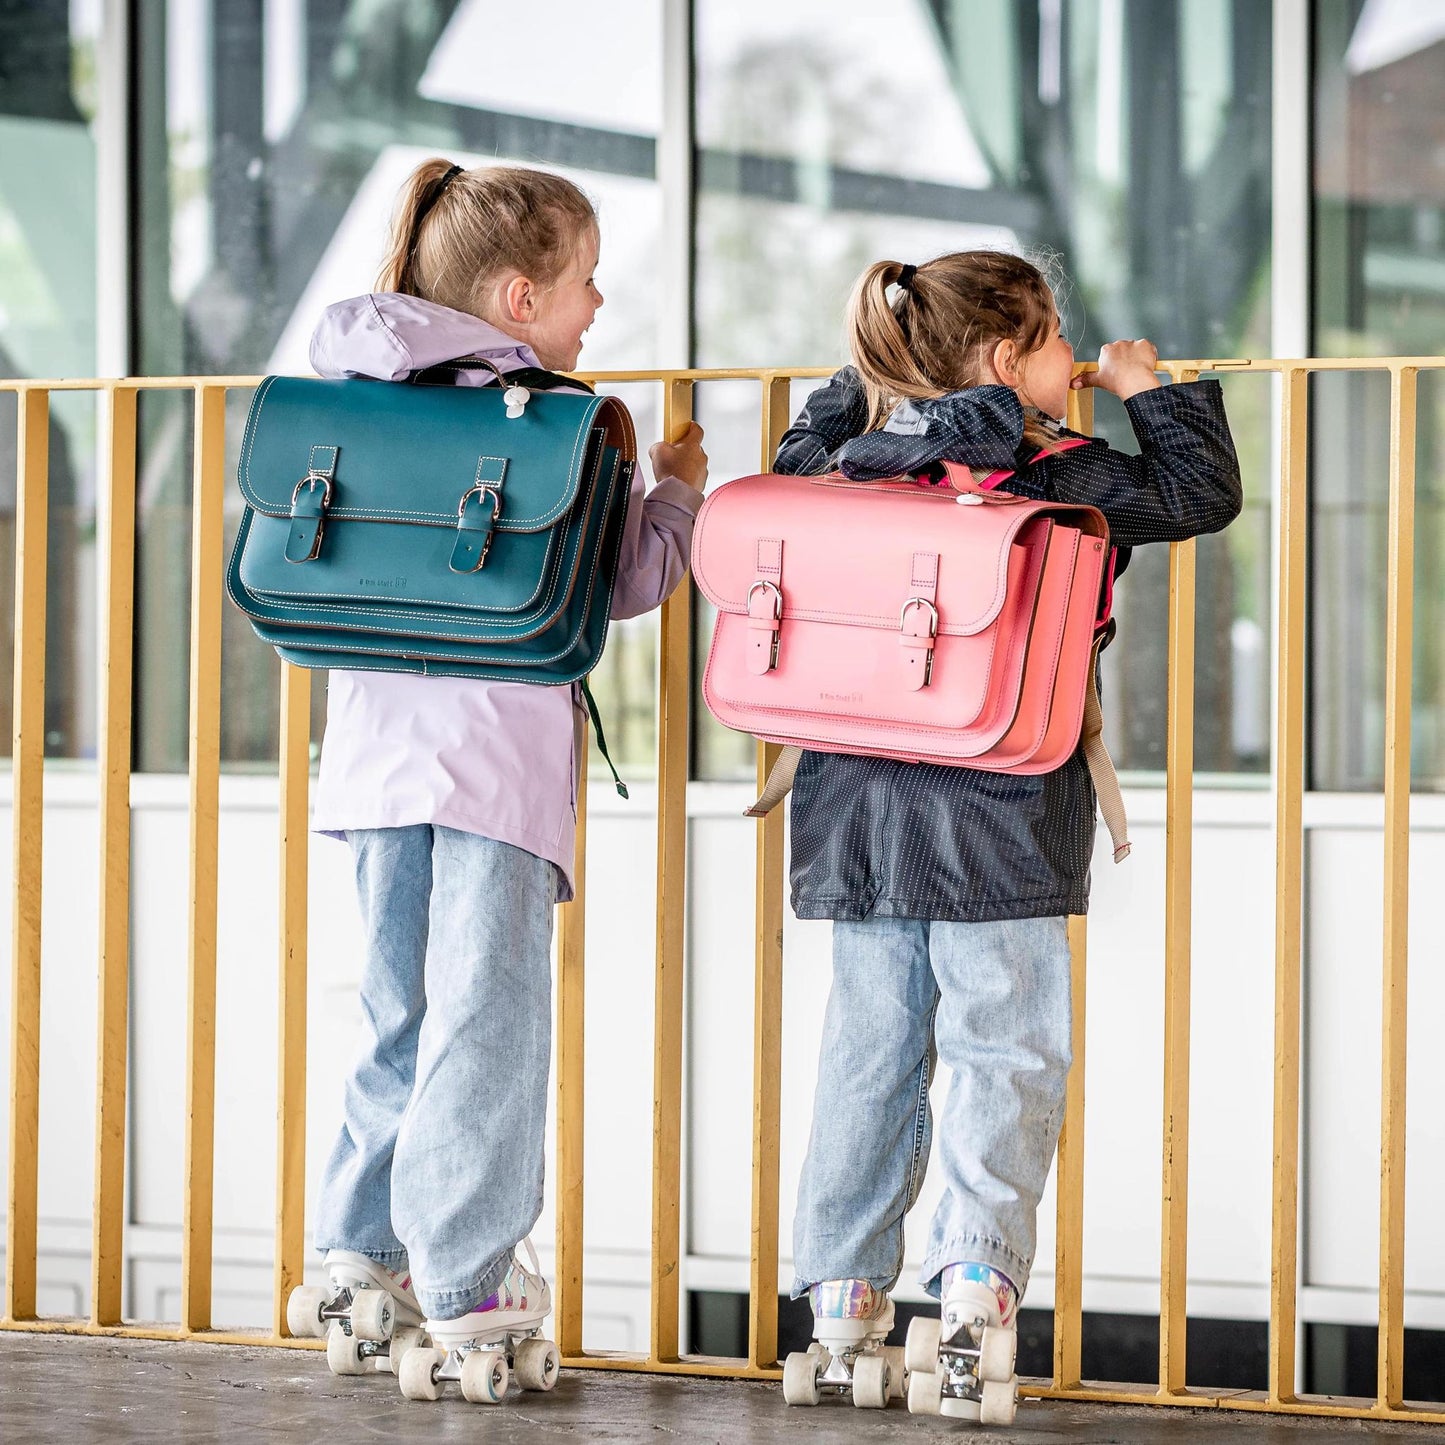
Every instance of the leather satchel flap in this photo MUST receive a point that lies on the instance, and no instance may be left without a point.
(410, 454)
(848, 548)
(897, 620)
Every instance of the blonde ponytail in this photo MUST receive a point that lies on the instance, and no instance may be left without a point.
(880, 346)
(935, 335)
(455, 233)
(423, 189)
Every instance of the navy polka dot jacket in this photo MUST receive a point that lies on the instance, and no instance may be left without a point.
(872, 837)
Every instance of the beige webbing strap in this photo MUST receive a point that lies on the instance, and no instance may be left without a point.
(1101, 767)
(779, 784)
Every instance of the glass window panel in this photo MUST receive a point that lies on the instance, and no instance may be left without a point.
(48, 110)
(1136, 166)
(1379, 214)
(271, 140)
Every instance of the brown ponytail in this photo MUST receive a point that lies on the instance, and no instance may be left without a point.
(454, 233)
(938, 331)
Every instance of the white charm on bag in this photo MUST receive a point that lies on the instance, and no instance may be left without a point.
(516, 398)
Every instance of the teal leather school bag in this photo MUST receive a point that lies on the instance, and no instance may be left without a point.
(443, 530)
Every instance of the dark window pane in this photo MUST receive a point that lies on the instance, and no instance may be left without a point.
(1379, 213)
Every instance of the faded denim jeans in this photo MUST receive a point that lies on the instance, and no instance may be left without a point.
(993, 999)
(440, 1156)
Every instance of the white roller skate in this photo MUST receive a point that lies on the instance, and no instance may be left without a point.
(485, 1349)
(368, 1315)
(963, 1364)
(851, 1320)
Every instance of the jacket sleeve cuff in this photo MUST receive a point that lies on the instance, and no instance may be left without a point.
(1160, 403)
(677, 494)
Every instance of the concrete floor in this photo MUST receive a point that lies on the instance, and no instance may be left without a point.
(77, 1390)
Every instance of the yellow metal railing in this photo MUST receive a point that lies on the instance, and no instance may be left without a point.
(117, 543)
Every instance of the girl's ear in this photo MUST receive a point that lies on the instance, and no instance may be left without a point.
(519, 299)
(1005, 361)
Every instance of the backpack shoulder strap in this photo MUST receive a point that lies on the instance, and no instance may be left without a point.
(534, 378)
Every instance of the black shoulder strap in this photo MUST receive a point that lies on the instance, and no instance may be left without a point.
(534, 378)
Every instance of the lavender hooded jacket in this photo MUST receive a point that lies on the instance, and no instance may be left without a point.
(494, 758)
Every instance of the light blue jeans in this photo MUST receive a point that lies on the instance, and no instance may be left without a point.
(993, 1001)
(440, 1156)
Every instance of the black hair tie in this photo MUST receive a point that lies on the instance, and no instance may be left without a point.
(435, 196)
(906, 275)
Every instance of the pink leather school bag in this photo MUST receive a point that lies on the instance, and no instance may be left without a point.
(952, 624)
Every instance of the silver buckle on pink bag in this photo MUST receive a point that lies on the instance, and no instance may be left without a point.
(765, 619)
(917, 644)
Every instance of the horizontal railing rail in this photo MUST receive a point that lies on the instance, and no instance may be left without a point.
(117, 472)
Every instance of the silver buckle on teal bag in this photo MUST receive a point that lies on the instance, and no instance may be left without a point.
(476, 524)
(308, 509)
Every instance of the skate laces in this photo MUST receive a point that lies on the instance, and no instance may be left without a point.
(520, 1288)
(1004, 1290)
(847, 1299)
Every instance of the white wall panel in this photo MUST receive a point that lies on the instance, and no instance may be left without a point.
(1231, 1133)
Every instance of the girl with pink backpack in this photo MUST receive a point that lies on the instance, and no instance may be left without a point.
(949, 887)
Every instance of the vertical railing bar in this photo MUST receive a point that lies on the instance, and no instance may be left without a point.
(571, 1077)
(1399, 635)
(1069, 1184)
(767, 998)
(117, 561)
(1289, 861)
(674, 702)
(1178, 917)
(27, 766)
(205, 769)
(1069, 1170)
(295, 778)
(1174, 1240)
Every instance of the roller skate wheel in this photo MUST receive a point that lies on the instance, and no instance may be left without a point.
(418, 1374)
(897, 1372)
(997, 1351)
(920, 1345)
(870, 1382)
(373, 1314)
(999, 1403)
(343, 1352)
(303, 1312)
(800, 1378)
(925, 1392)
(485, 1376)
(964, 1409)
(536, 1364)
(817, 1347)
(404, 1338)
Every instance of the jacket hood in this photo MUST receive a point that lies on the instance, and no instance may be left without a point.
(386, 336)
(981, 427)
